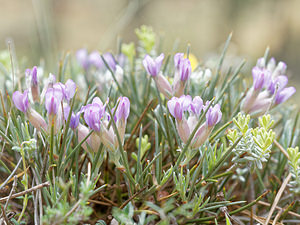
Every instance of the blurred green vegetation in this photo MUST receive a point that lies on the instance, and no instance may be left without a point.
(41, 29)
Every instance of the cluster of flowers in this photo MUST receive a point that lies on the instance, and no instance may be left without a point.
(187, 111)
(268, 89)
(57, 98)
(182, 74)
(183, 108)
(94, 60)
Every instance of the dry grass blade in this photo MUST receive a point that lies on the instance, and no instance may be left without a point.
(277, 218)
(259, 219)
(279, 208)
(277, 198)
(46, 184)
(282, 149)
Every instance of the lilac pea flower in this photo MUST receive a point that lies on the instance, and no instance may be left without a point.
(260, 105)
(185, 70)
(261, 78)
(196, 105)
(271, 64)
(163, 85)
(37, 120)
(204, 107)
(121, 58)
(261, 63)
(213, 115)
(53, 100)
(21, 100)
(107, 115)
(93, 113)
(122, 113)
(70, 88)
(201, 136)
(82, 58)
(153, 66)
(281, 81)
(178, 57)
(74, 120)
(110, 60)
(96, 60)
(83, 131)
(34, 77)
(123, 109)
(177, 106)
(280, 69)
(284, 95)
(32, 73)
(51, 79)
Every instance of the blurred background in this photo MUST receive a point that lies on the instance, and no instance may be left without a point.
(43, 29)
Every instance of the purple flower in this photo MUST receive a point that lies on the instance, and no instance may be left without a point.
(82, 58)
(163, 86)
(67, 90)
(280, 69)
(96, 60)
(93, 113)
(178, 57)
(21, 100)
(177, 106)
(271, 64)
(284, 94)
(70, 88)
(110, 60)
(153, 66)
(261, 77)
(281, 81)
(196, 105)
(185, 69)
(261, 63)
(53, 100)
(74, 120)
(123, 109)
(32, 73)
(121, 58)
(213, 115)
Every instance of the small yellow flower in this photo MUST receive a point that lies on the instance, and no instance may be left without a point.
(193, 59)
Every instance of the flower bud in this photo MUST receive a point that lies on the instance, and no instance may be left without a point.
(83, 131)
(110, 60)
(153, 66)
(82, 58)
(213, 115)
(53, 100)
(96, 60)
(74, 119)
(21, 100)
(163, 85)
(36, 120)
(284, 94)
(93, 113)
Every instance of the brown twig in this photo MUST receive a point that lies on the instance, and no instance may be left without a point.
(132, 197)
(279, 208)
(4, 215)
(11, 192)
(99, 202)
(107, 200)
(46, 184)
(137, 125)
